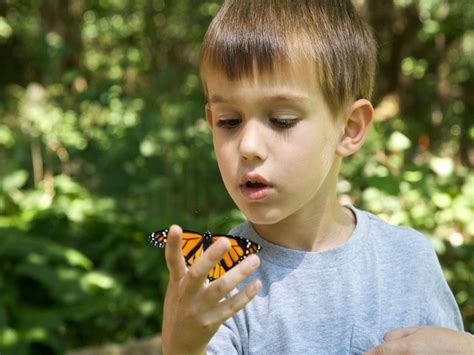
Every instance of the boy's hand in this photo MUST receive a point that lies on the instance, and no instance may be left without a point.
(424, 340)
(193, 311)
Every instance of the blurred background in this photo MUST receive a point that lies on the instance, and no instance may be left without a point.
(103, 140)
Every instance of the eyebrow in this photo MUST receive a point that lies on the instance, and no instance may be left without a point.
(271, 98)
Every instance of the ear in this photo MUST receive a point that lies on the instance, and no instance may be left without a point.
(358, 120)
(208, 115)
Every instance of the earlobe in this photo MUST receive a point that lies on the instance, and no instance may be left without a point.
(358, 120)
(208, 115)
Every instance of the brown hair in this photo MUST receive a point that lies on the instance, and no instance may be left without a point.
(249, 35)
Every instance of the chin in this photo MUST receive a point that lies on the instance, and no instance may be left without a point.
(261, 215)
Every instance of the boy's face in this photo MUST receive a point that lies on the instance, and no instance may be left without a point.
(275, 141)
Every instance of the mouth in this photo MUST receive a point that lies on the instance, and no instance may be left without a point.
(255, 187)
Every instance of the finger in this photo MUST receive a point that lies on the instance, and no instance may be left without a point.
(197, 273)
(397, 347)
(232, 305)
(399, 333)
(225, 284)
(378, 350)
(173, 254)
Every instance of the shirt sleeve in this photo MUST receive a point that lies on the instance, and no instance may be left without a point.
(441, 308)
(226, 340)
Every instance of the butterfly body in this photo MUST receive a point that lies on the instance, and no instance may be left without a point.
(206, 239)
(193, 244)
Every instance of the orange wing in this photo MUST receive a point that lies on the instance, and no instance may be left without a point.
(192, 246)
(239, 250)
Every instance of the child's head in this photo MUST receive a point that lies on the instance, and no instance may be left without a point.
(251, 37)
(287, 83)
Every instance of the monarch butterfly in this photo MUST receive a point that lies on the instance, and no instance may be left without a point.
(194, 244)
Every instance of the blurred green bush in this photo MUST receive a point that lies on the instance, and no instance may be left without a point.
(102, 140)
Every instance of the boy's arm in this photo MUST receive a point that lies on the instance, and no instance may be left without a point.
(193, 311)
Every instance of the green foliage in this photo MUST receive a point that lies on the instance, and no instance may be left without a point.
(103, 139)
(73, 268)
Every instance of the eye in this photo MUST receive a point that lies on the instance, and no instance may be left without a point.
(228, 123)
(284, 123)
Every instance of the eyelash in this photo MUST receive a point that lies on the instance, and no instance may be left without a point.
(280, 123)
(229, 123)
(284, 123)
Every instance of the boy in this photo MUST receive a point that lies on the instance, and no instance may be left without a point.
(288, 83)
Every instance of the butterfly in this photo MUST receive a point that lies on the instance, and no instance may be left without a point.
(194, 244)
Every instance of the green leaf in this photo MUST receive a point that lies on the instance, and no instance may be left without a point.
(443, 167)
(398, 141)
(15, 180)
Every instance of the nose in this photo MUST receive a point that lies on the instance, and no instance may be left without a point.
(252, 142)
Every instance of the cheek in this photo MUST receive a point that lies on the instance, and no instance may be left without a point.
(307, 156)
(224, 154)
(303, 148)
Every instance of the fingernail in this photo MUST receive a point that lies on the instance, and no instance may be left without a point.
(223, 243)
(253, 260)
(256, 285)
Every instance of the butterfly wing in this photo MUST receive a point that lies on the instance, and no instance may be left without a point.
(239, 250)
(159, 238)
(191, 243)
(192, 246)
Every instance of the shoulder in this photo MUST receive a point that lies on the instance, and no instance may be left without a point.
(398, 239)
(402, 248)
(409, 265)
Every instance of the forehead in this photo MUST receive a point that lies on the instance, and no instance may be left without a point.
(296, 81)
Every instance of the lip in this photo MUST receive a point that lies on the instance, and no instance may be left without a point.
(253, 177)
(255, 193)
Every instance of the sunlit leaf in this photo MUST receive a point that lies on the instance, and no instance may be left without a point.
(14, 180)
(442, 166)
(93, 280)
(398, 141)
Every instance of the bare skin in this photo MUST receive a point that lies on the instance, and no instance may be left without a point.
(194, 310)
(424, 340)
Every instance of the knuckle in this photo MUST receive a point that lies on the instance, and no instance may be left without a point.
(221, 287)
(207, 325)
(169, 257)
(217, 250)
(193, 273)
(236, 305)
(246, 269)
(243, 271)
(249, 293)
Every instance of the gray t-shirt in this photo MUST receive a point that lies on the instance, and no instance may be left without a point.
(341, 301)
